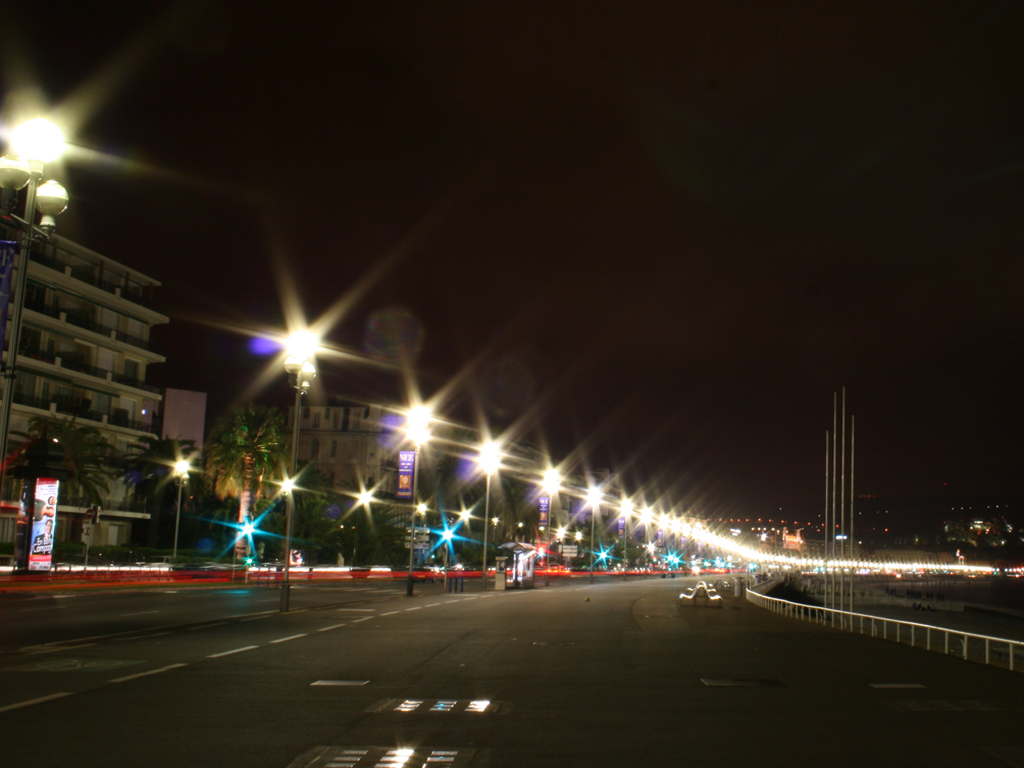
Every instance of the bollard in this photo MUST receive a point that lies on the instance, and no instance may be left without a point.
(737, 588)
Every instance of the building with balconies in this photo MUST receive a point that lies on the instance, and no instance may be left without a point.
(84, 354)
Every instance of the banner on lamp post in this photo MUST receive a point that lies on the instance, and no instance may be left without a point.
(622, 527)
(661, 539)
(406, 470)
(8, 248)
(544, 504)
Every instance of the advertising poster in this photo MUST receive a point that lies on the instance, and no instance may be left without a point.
(622, 527)
(545, 508)
(661, 539)
(44, 524)
(406, 468)
(7, 251)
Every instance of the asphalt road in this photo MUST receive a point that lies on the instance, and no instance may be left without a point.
(615, 674)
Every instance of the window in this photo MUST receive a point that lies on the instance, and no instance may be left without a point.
(131, 368)
(314, 450)
(327, 415)
(316, 420)
(334, 448)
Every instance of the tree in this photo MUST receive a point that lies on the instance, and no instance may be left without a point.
(87, 455)
(246, 447)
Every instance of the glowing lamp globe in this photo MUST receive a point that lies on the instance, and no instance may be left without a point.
(14, 172)
(303, 345)
(489, 457)
(39, 140)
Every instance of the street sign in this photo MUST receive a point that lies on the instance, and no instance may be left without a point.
(569, 550)
(87, 533)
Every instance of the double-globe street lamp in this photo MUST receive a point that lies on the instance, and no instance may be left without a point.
(301, 347)
(489, 460)
(594, 498)
(551, 485)
(34, 144)
(181, 469)
(417, 429)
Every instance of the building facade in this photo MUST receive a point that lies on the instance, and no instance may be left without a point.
(84, 354)
(352, 446)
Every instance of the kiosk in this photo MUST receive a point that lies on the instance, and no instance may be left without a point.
(519, 566)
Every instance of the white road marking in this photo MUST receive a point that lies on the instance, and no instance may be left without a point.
(359, 610)
(35, 649)
(228, 653)
(50, 608)
(30, 702)
(140, 637)
(145, 674)
(414, 609)
(340, 682)
(286, 639)
(140, 613)
(896, 685)
(324, 629)
(365, 618)
(207, 626)
(389, 613)
(482, 597)
(431, 605)
(255, 618)
(469, 598)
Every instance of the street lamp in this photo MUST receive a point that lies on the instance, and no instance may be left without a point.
(626, 505)
(551, 484)
(181, 469)
(417, 429)
(34, 144)
(489, 461)
(594, 497)
(302, 346)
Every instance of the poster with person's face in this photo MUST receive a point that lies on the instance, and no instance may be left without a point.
(44, 524)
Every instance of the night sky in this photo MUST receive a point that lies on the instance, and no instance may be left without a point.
(660, 235)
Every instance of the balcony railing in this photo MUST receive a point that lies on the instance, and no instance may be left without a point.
(80, 319)
(90, 275)
(80, 408)
(77, 363)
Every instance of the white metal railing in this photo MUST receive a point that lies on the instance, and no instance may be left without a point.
(998, 651)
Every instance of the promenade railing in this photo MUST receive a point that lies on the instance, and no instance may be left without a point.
(996, 651)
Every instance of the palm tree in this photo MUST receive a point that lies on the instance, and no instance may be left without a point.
(246, 447)
(149, 466)
(87, 455)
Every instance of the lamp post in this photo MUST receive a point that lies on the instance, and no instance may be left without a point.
(626, 505)
(302, 345)
(34, 143)
(552, 482)
(594, 499)
(418, 430)
(181, 469)
(489, 461)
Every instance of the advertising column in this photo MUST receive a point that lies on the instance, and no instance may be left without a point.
(37, 524)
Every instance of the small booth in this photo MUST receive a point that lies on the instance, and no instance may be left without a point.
(519, 565)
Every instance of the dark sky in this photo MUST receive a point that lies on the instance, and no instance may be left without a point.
(665, 232)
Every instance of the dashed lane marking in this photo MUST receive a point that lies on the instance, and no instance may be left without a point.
(30, 702)
(286, 639)
(389, 613)
(431, 605)
(333, 626)
(896, 685)
(418, 607)
(364, 618)
(234, 650)
(139, 613)
(207, 626)
(340, 682)
(146, 674)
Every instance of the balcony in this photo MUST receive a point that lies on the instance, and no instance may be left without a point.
(80, 408)
(80, 319)
(77, 363)
(90, 274)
